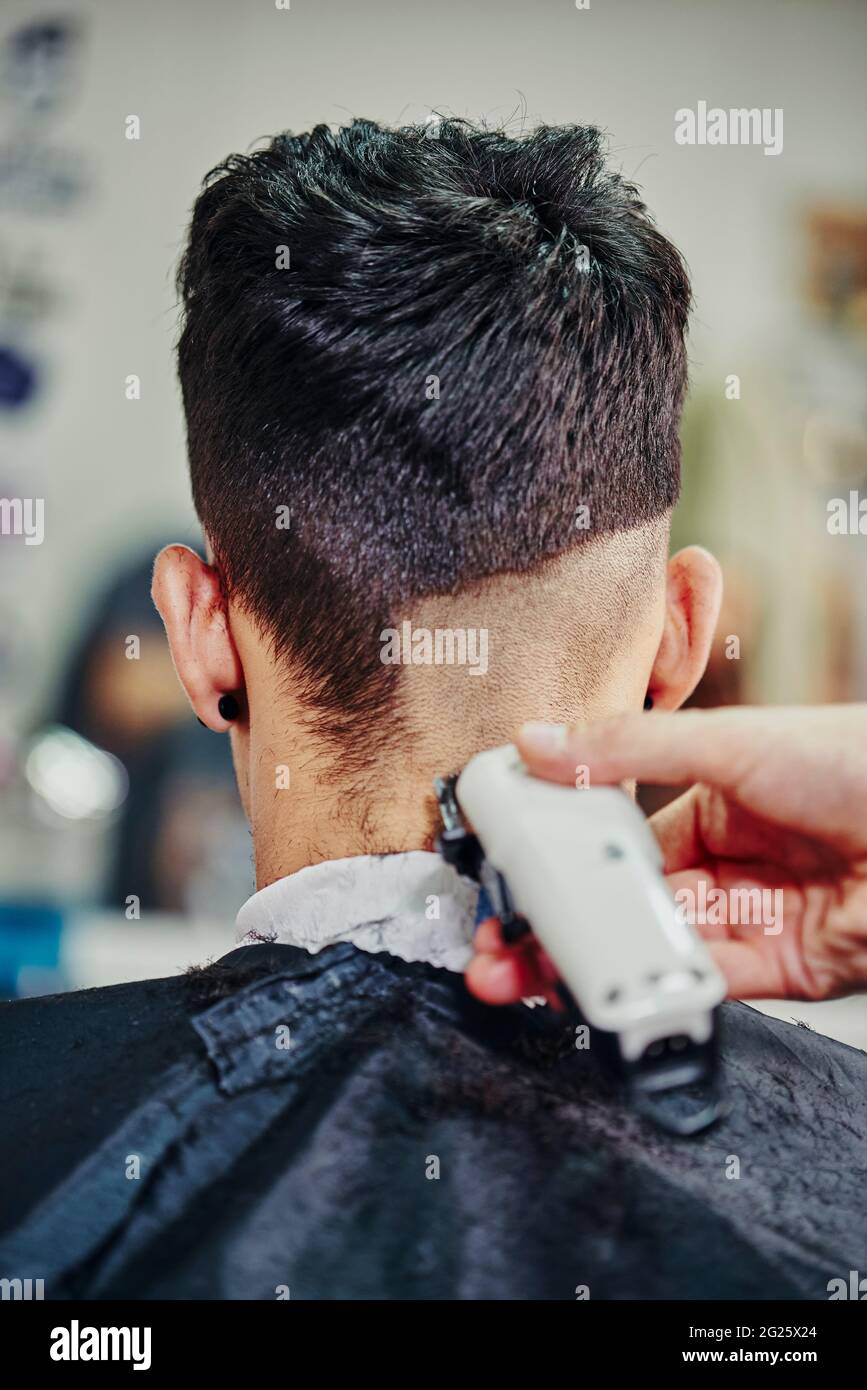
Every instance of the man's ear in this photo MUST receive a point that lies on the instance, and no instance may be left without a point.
(692, 604)
(192, 605)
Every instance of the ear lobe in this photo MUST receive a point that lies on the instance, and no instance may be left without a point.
(693, 597)
(191, 603)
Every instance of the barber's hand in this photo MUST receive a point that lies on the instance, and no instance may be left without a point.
(779, 802)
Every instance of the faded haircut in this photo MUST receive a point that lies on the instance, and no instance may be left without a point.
(409, 358)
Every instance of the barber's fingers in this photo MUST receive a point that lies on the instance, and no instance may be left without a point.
(678, 828)
(502, 979)
(709, 829)
(748, 973)
(668, 749)
(488, 937)
(505, 974)
(693, 886)
(800, 768)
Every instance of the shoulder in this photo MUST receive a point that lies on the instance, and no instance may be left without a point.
(73, 1065)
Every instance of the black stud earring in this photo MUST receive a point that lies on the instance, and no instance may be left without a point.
(228, 707)
(648, 702)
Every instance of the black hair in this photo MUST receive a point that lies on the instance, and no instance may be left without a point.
(408, 357)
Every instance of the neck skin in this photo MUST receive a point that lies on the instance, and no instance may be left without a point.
(537, 670)
(581, 637)
(313, 820)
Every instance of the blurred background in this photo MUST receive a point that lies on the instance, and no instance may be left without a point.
(123, 852)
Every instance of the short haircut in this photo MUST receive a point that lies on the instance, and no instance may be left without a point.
(425, 349)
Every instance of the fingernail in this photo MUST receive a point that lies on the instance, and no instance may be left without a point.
(544, 739)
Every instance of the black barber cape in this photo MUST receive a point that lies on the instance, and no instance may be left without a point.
(347, 1125)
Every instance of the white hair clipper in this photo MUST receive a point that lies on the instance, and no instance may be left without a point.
(581, 868)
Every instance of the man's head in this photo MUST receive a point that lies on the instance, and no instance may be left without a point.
(431, 376)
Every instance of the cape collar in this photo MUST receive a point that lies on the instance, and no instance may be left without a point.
(412, 905)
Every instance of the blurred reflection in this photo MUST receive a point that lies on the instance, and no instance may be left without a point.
(115, 693)
(181, 843)
(762, 465)
(72, 777)
(121, 801)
